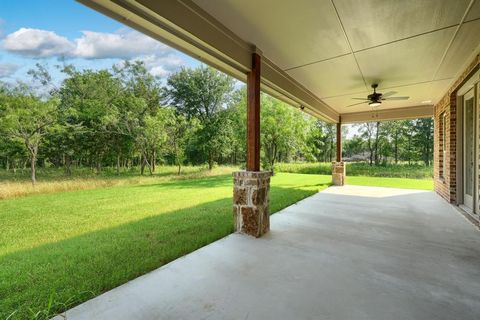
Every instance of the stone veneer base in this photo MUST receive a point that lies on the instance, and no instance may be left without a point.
(250, 202)
(338, 173)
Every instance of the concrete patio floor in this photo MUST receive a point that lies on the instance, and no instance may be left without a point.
(345, 253)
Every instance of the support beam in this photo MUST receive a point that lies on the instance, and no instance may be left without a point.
(339, 140)
(414, 112)
(253, 115)
(338, 166)
(251, 187)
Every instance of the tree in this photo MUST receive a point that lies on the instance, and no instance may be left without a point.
(11, 151)
(353, 146)
(179, 132)
(203, 93)
(125, 117)
(423, 137)
(395, 131)
(155, 136)
(282, 131)
(237, 115)
(27, 119)
(369, 133)
(90, 102)
(321, 140)
(60, 143)
(140, 108)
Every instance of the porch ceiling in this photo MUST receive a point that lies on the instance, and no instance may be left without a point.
(399, 44)
(321, 53)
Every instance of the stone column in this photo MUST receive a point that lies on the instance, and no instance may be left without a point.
(250, 202)
(338, 173)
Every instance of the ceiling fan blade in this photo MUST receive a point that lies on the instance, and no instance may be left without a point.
(388, 94)
(355, 104)
(396, 98)
(360, 99)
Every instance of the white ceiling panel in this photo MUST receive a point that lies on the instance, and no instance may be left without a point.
(463, 47)
(370, 23)
(290, 33)
(420, 94)
(405, 62)
(341, 102)
(330, 78)
(439, 88)
(474, 12)
(398, 44)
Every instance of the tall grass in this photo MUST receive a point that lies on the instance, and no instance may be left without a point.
(403, 170)
(53, 180)
(55, 174)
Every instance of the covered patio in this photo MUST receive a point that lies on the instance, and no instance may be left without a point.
(345, 253)
(342, 61)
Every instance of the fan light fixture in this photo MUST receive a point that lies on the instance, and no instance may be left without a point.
(375, 99)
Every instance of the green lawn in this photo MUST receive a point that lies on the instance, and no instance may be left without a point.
(59, 249)
(421, 184)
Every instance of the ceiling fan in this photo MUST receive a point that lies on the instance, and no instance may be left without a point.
(375, 99)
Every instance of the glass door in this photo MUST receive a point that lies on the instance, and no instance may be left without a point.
(469, 141)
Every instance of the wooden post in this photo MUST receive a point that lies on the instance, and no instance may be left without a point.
(339, 140)
(253, 115)
(251, 187)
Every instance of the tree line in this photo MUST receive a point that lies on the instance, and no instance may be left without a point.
(392, 141)
(124, 117)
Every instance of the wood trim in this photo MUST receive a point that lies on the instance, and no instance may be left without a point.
(253, 114)
(339, 140)
(415, 112)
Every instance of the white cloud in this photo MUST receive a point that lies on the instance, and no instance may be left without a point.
(37, 43)
(122, 44)
(91, 45)
(161, 65)
(159, 59)
(7, 69)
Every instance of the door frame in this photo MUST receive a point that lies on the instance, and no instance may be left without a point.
(470, 202)
(476, 208)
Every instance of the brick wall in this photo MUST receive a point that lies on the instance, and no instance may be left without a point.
(442, 117)
(446, 185)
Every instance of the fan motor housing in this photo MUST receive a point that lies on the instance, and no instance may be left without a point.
(375, 97)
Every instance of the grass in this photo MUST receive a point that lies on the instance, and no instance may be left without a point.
(59, 249)
(403, 183)
(51, 180)
(56, 174)
(403, 170)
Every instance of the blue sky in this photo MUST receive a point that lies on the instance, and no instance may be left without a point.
(47, 31)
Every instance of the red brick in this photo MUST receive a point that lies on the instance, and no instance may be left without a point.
(446, 185)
